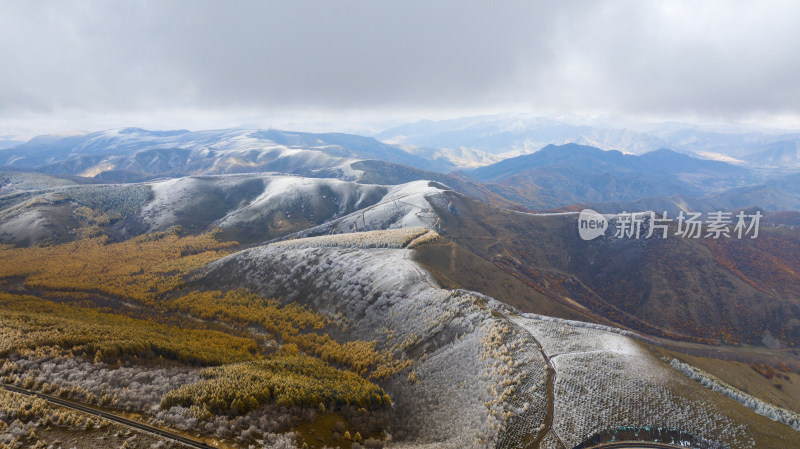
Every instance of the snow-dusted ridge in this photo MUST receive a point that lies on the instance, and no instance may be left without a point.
(481, 379)
(261, 196)
(340, 206)
(249, 208)
(379, 295)
(174, 153)
(407, 205)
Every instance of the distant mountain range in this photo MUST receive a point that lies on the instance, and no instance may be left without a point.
(554, 177)
(482, 140)
(455, 248)
(561, 176)
(780, 194)
(134, 154)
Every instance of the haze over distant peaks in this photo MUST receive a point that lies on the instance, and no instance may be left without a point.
(481, 140)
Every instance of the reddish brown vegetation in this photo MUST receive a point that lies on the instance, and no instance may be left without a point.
(763, 369)
(769, 372)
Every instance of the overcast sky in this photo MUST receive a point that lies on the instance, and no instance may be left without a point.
(200, 64)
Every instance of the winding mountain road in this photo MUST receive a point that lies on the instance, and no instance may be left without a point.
(551, 382)
(111, 417)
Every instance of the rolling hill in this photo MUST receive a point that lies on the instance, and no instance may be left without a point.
(557, 176)
(570, 374)
(248, 208)
(134, 154)
(471, 142)
(777, 195)
(358, 299)
(721, 291)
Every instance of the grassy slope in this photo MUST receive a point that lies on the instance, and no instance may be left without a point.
(765, 432)
(677, 288)
(454, 266)
(743, 377)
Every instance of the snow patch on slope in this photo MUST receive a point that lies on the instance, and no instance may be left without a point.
(404, 206)
(603, 377)
(167, 197)
(378, 294)
(28, 226)
(251, 200)
(285, 192)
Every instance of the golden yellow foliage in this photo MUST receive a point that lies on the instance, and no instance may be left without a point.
(27, 322)
(142, 268)
(149, 269)
(292, 324)
(243, 308)
(287, 380)
(15, 406)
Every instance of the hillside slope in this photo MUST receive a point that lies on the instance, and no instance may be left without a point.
(247, 208)
(779, 194)
(137, 154)
(712, 290)
(378, 293)
(557, 176)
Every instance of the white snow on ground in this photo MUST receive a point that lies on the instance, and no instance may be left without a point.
(563, 336)
(233, 149)
(290, 158)
(348, 172)
(378, 294)
(395, 238)
(284, 193)
(255, 203)
(166, 196)
(720, 157)
(605, 378)
(469, 394)
(404, 206)
(29, 225)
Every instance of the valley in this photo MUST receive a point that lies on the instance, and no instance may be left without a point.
(386, 305)
(399, 225)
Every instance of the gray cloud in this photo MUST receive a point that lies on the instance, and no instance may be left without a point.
(664, 59)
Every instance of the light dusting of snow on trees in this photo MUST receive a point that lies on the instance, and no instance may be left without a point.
(496, 379)
(477, 374)
(606, 379)
(772, 412)
(395, 238)
(124, 388)
(377, 294)
(404, 206)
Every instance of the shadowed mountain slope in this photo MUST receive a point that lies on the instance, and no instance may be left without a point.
(693, 289)
(556, 176)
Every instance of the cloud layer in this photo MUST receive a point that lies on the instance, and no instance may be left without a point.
(712, 60)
